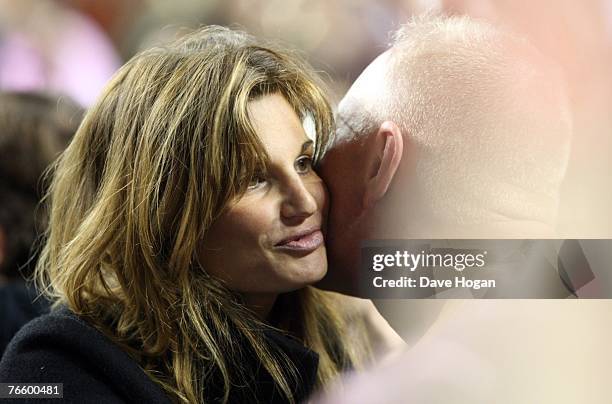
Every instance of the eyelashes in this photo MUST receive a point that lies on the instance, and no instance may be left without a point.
(303, 164)
(256, 181)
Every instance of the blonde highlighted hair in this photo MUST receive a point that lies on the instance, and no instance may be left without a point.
(159, 156)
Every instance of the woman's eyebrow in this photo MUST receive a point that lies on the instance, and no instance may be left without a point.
(307, 145)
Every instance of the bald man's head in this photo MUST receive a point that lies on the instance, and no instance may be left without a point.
(484, 129)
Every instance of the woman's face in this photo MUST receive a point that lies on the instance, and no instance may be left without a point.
(270, 240)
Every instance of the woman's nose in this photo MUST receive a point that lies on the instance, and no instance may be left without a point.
(298, 202)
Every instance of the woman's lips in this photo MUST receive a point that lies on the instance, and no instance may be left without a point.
(303, 243)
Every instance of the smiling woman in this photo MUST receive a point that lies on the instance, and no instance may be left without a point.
(186, 225)
(270, 239)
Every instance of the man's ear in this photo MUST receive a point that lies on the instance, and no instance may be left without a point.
(383, 161)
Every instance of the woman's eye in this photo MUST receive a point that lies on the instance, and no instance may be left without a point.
(257, 181)
(303, 164)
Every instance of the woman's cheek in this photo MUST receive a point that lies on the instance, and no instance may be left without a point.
(318, 190)
(252, 223)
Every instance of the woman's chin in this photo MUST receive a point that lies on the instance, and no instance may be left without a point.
(312, 268)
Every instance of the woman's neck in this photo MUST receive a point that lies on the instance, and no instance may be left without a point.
(260, 303)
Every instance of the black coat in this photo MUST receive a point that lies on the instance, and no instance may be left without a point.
(19, 304)
(62, 348)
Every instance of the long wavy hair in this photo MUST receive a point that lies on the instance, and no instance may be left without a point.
(167, 145)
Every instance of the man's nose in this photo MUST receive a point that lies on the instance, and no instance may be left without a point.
(298, 202)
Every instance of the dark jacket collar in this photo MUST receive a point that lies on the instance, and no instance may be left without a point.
(305, 360)
(263, 389)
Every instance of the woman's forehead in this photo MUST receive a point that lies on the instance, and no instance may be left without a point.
(277, 125)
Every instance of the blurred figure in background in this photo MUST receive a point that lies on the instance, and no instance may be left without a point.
(46, 46)
(34, 130)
